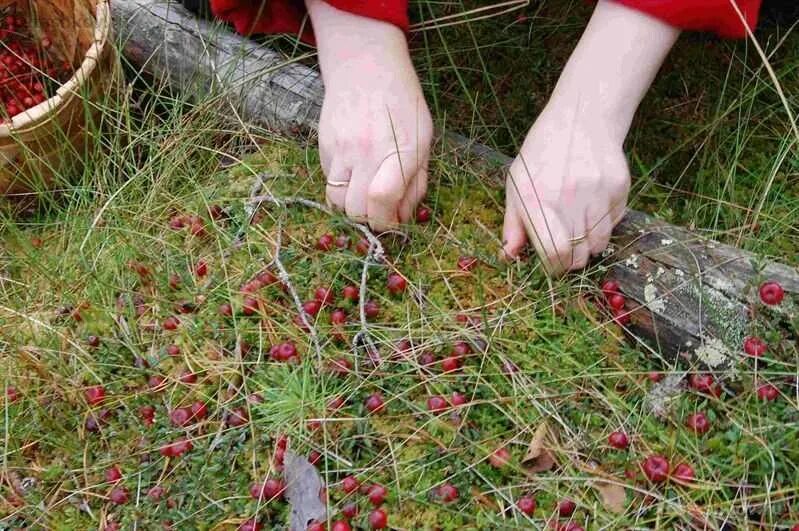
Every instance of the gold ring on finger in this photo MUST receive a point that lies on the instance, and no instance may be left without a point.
(578, 240)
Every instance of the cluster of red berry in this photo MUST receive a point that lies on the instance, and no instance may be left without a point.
(27, 74)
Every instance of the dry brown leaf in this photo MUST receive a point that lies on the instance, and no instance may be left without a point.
(303, 486)
(613, 496)
(484, 500)
(542, 463)
(536, 446)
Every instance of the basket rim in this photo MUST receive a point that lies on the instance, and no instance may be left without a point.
(47, 109)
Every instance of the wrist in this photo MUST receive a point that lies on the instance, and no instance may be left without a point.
(346, 40)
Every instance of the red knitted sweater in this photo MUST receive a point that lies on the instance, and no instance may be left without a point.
(287, 16)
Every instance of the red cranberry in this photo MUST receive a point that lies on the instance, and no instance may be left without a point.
(566, 507)
(618, 440)
(285, 351)
(176, 448)
(325, 296)
(654, 376)
(177, 222)
(11, 394)
(147, 414)
(704, 383)
(451, 364)
(447, 493)
(156, 493)
(616, 302)
(610, 287)
(698, 423)
(198, 411)
(317, 526)
(423, 214)
(225, 310)
(362, 247)
(338, 317)
(371, 309)
(314, 457)
(767, 392)
(270, 489)
(499, 458)
(351, 293)
(374, 403)
(201, 269)
(656, 468)
(377, 494)
(437, 403)
(683, 472)
(251, 286)
(467, 263)
(113, 474)
(350, 484)
(427, 358)
(461, 348)
(238, 417)
(156, 382)
(621, 317)
(171, 323)
(187, 377)
(93, 341)
(173, 350)
(771, 293)
(335, 403)
(95, 395)
(340, 525)
(378, 519)
(174, 281)
(526, 504)
(180, 416)
(458, 399)
(119, 496)
(343, 241)
(396, 283)
(250, 305)
(755, 347)
(340, 366)
(312, 307)
(325, 242)
(350, 511)
(266, 278)
(250, 525)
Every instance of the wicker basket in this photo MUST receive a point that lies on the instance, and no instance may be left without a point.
(44, 144)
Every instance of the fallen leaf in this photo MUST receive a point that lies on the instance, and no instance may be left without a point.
(484, 500)
(303, 486)
(613, 496)
(542, 463)
(537, 443)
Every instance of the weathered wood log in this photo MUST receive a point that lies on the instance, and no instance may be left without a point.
(686, 294)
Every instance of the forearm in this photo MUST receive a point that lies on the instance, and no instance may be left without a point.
(614, 64)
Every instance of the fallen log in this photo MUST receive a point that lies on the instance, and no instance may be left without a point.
(686, 294)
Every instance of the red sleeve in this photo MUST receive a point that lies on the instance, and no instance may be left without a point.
(251, 17)
(718, 16)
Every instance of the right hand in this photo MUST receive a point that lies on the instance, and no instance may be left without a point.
(375, 129)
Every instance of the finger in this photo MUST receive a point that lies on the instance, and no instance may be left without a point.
(580, 255)
(413, 196)
(355, 202)
(385, 193)
(549, 235)
(599, 226)
(340, 172)
(514, 237)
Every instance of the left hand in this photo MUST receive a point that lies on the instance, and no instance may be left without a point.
(566, 190)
